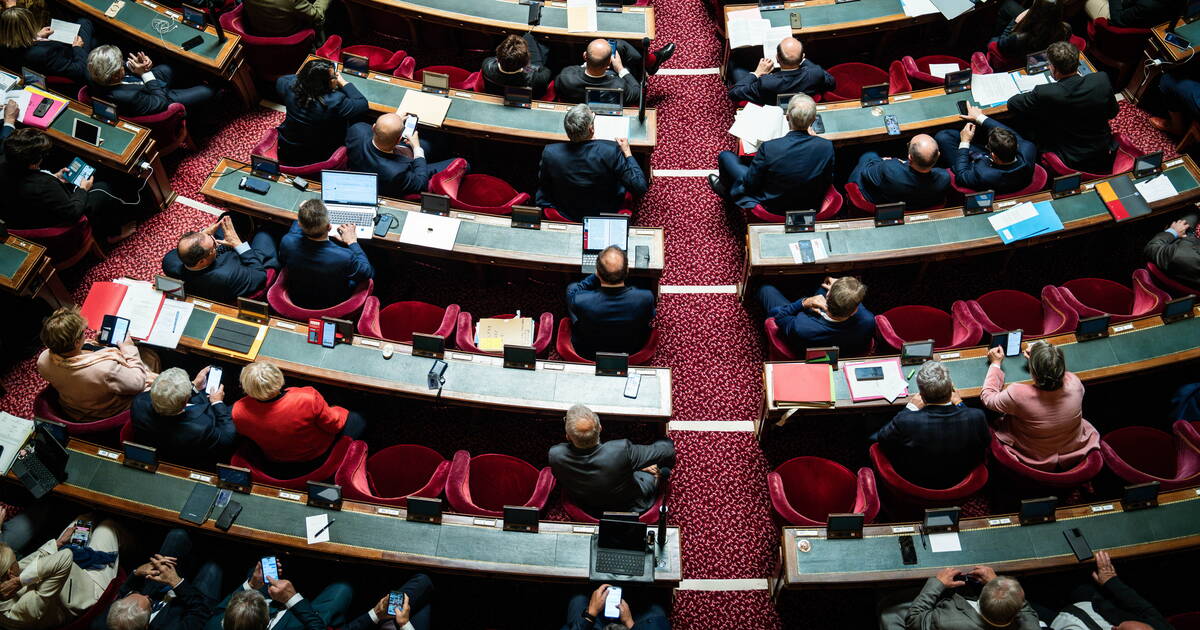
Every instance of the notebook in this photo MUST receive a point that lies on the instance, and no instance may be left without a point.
(802, 385)
(135, 300)
(1122, 198)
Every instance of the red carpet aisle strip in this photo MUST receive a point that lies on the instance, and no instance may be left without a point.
(1135, 125)
(702, 246)
(694, 116)
(688, 24)
(727, 610)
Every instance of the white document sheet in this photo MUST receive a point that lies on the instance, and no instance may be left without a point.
(818, 250)
(945, 541)
(953, 8)
(756, 124)
(748, 32)
(940, 70)
(891, 386)
(13, 433)
(7, 81)
(581, 16)
(915, 8)
(990, 89)
(430, 230)
(168, 328)
(1026, 82)
(750, 13)
(771, 40)
(64, 32)
(430, 108)
(1156, 188)
(22, 99)
(139, 306)
(610, 127)
(1012, 216)
(313, 524)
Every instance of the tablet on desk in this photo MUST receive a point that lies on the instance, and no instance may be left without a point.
(86, 132)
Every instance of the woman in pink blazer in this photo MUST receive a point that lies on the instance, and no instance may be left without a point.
(1043, 423)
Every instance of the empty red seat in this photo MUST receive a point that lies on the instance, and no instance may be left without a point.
(566, 349)
(393, 474)
(1004, 310)
(484, 484)
(249, 456)
(902, 492)
(1143, 454)
(65, 246)
(1188, 431)
(281, 302)
(1123, 160)
(270, 57)
(45, 405)
(851, 77)
(475, 192)
(806, 490)
(1173, 286)
(1117, 47)
(918, 69)
(1185, 621)
(269, 147)
(378, 59)
(460, 79)
(956, 329)
(398, 321)
(543, 332)
(1091, 297)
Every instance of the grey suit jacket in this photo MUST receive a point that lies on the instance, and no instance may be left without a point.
(936, 609)
(608, 478)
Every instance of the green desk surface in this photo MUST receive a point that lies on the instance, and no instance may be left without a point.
(483, 548)
(1190, 32)
(626, 22)
(835, 14)
(115, 138)
(472, 112)
(156, 26)
(11, 259)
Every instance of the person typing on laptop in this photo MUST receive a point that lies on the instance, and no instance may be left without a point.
(587, 177)
(321, 272)
(400, 162)
(607, 315)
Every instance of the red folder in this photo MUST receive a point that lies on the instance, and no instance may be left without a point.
(104, 298)
(802, 384)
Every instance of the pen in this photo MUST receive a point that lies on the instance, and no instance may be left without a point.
(176, 323)
(922, 530)
(322, 530)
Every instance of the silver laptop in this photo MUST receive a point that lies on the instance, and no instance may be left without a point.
(606, 101)
(601, 232)
(350, 198)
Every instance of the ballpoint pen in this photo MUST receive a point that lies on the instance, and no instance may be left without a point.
(322, 530)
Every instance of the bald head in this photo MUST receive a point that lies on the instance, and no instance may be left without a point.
(612, 265)
(583, 426)
(197, 250)
(922, 153)
(789, 53)
(388, 129)
(597, 56)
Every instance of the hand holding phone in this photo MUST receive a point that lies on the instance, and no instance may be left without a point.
(213, 382)
(270, 569)
(395, 603)
(410, 126)
(612, 603)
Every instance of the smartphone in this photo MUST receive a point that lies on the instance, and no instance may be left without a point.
(794, 17)
(907, 551)
(1177, 41)
(254, 185)
(535, 13)
(633, 382)
(395, 603)
(612, 603)
(962, 107)
(328, 334)
(410, 125)
(83, 533)
(612, 43)
(893, 127)
(43, 108)
(192, 43)
(382, 225)
(113, 330)
(868, 373)
(213, 382)
(270, 569)
(223, 498)
(818, 125)
(1010, 341)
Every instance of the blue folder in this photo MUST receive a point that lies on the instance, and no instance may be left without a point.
(1044, 222)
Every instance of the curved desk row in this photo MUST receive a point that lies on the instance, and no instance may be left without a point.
(363, 531)
(1130, 348)
(941, 234)
(482, 238)
(820, 19)
(509, 16)
(995, 541)
(471, 379)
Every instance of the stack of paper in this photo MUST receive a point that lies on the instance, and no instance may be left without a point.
(581, 16)
(491, 335)
(756, 124)
(64, 32)
(890, 387)
(21, 98)
(993, 89)
(1025, 220)
(14, 432)
(915, 8)
(8, 80)
(940, 70)
(135, 300)
(748, 28)
(802, 384)
(1156, 188)
(168, 327)
(771, 40)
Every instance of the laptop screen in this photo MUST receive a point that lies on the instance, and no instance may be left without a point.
(604, 99)
(359, 189)
(48, 449)
(600, 232)
(627, 535)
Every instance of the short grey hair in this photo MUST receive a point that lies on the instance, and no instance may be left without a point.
(578, 122)
(801, 112)
(128, 613)
(170, 392)
(582, 438)
(1047, 365)
(1000, 600)
(247, 610)
(933, 379)
(104, 65)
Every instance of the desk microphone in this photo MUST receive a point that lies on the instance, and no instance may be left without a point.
(216, 19)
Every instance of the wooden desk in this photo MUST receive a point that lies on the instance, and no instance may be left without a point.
(485, 116)
(1132, 347)
(364, 532)
(1005, 546)
(820, 19)
(27, 271)
(476, 380)
(940, 234)
(482, 238)
(162, 29)
(1190, 32)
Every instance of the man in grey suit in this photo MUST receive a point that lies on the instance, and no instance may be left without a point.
(1001, 603)
(615, 476)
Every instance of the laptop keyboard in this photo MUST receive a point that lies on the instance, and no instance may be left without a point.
(341, 217)
(589, 260)
(37, 471)
(621, 563)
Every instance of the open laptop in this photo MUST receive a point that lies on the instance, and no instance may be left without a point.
(606, 101)
(350, 198)
(601, 232)
(619, 551)
(42, 463)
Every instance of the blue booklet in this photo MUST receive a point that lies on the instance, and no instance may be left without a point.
(1025, 220)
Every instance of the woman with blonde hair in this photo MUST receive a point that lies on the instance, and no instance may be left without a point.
(24, 43)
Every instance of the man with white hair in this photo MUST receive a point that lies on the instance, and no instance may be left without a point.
(1001, 603)
(616, 476)
(156, 595)
(144, 90)
(789, 173)
(186, 425)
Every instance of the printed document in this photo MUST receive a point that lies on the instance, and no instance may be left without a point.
(581, 16)
(140, 306)
(168, 328)
(64, 32)
(430, 230)
(1156, 188)
(610, 127)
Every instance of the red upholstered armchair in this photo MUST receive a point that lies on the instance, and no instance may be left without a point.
(904, 492)
(1040, 481)
(249, 456)
(1173, 286)
(806, 490)
(168, 127)
(830, 207)
(777, 347)
(84, 621)
(860, 202)
(543, 332)
(398, 321)
(918, 69)
(1143, 454)
(475, 192)
(1000, 63)
(65, 246)
(484, 484)
(898, 81)
(979, 64)
(1005, 309)
(270, 57)
(279, 300)
(460, 79)
(566, 349)
(269, 146)
(1037, 183)
(1188, 431)
(393, 474)
(956, 329)
(1116, 47)
(576, 513)
(1091, 297)
(1122, 161)
(378, 59)
(851, 77)
(45, 405)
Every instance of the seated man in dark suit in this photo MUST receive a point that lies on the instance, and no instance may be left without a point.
(520, 61)
(616, 476)
(586, 177)
(186, 425)
(158, 596)
(237, 270)
(1005, 167)
(1070, 115)
(415, 614)
(788, 173)
(607, 315)
(834, 316)
(1134, 13)
(604, 67)
(1109, 603)
(321, 272)
(916, 181)
(400, 162)
(936, 440)
(259, 605)
(146, 90)
(584, 613)
(1176, 251)
(796, 74)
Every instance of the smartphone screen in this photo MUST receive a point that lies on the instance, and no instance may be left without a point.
(893, 127)
(395, 603)
(868, 373)
(83, 533)
(328, 334)
(1178, 41)
(818, 125)
(213, 382)
(962, 107)
(612, 602)
(410, 125)
(270, 569)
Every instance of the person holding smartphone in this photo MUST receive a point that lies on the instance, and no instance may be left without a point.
(258, 600)
(399, 158)
(588, 613)
(409, 607)
(185, 424)
(320, 106)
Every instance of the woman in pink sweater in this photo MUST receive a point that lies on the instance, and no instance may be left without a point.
(1043, 423)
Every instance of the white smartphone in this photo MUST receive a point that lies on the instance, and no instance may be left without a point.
(612, 603)
(410, 125)
(213, 382)
(632, 383)
(270, 569)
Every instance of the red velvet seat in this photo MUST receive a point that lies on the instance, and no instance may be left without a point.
(460, 79)
(65, 246)
(956, 329)
(543, 332)
(1162, 280)
(830, 207)
(806, 490)
(1188, 432)
(270, 57)
(45, 405)
(484, 484)
(84, 621)
(248, 456)
(898, 81)
(902, 492)
(860, 202)
(777, 348)
(1037, 183)
(1117, 47)
(576, 513)
(1143, 454)
(1185, 621)
(269, 147)
(168, 127)
(393, 474)
(1091, 297)
(999, 63)
(552, 214)
(1123, 160)
(1037, 482)
(918, 69)
(1005, 309)
(851, 77)
(475, 192)
(378, 59)
(566, 349)
(398, 321)
(979, 64)
(281, 303)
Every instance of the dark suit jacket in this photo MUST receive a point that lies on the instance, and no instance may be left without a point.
(802, 328)
(231, 275)
(195, 607)
(202, 433)
(321, 273)
(808, 78)
(608, 478)
(1118, 603)
(1142, 13)
(788, 173)
(133, 97)
(311, 134)
(937, 446)
(1070, 118)
(572, 84)
(1017, 45)
(586, 179)
(303, 611)
(935, 607)
(1179, 257)
(49, 58)
(974, 169)
(399, 175)
(890, 181)
(608, 319)
(656, 622)
(39, 200)
(536, 75)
